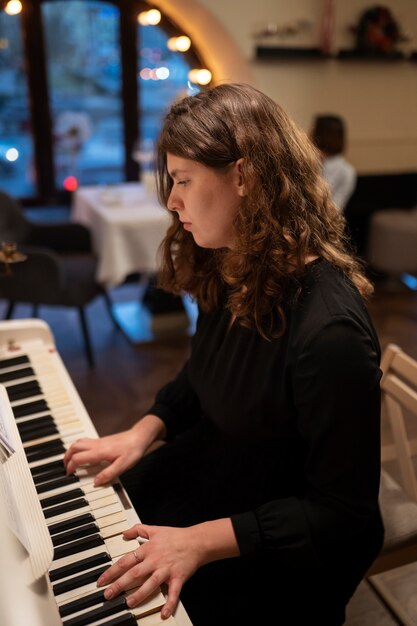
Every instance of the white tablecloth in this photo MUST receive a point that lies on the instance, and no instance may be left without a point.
(127, 226)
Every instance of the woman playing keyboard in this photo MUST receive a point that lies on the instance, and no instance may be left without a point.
(262, 504)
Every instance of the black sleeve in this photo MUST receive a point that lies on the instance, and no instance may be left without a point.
(337, 396)
(177, 405)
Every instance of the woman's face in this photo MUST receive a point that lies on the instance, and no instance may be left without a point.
(206, 200)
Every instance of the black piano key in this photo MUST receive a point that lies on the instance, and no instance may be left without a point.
(47, 467)
(35, 422)
(30, 408)
(57, 483)
(16, 360)
(75, 533)
(127, 619)
(16, 374)
(23, 390)
(36, 447)
(80, 566)
(44, 431)
(85, 602)
(45, 452)
(78, 546)
(78, 581)
(51, 475)
(73, 522)
(108, 608)
(65, 508)
(60, 498)
(47, 472)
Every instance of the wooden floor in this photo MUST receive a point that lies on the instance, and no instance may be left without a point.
(125, 379)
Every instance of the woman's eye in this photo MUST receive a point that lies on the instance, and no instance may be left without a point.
(182, 182)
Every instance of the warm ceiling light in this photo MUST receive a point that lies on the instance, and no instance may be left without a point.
(149, 18)
(162, 73)
(200, 77)
(154, 17)
(13, 7)
(183, 43)
(179, 44)
(143, 18)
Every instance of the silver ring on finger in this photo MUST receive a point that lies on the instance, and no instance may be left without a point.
(136, 555)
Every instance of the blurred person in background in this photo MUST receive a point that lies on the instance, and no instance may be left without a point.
(329, 136)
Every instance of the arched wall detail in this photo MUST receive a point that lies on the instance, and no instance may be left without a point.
(215, 45)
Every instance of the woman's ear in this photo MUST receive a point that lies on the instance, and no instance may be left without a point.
(241, 186)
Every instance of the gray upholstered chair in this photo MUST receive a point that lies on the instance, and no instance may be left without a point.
(59, 270)
(398, 498)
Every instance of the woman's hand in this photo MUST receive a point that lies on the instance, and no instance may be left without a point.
(122, 450)
(169, 556)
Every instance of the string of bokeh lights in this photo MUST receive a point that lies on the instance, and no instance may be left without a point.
(152, 17)
(182, 43)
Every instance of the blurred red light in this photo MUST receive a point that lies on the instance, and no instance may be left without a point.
(70, 183)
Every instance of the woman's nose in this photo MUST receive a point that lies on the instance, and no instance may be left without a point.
(173, 203)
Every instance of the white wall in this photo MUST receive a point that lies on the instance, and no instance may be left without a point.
(378, 99)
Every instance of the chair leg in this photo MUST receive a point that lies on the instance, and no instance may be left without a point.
(109, 306)
(9, 310)
(391, 604)
(86, 335)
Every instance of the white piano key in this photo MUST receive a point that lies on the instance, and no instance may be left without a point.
(155, 619)
(117, 546)
(150, 605)
(109, 509)
(101, 503)
(110, 520)
(114, 529)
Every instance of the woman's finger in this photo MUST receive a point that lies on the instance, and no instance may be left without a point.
(121, 566)
(111, 471)
(82, 458)
(174, 590)
(77, 446)
(147, 588)
(135, 576)
(138, 530)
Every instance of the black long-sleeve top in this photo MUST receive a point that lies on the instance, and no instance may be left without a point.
(292, 425)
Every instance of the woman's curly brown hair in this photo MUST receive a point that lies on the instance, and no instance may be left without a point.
(286, 216)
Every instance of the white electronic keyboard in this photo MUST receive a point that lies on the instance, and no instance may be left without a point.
(57, 532)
